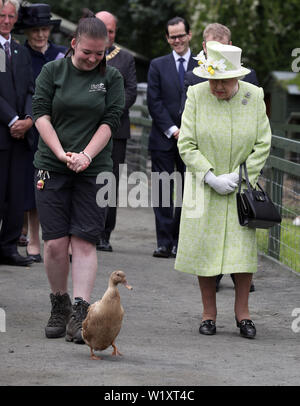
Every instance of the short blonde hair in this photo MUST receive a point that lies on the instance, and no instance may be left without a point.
(217, 31)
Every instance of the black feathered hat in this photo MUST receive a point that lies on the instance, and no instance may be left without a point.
(35, 15)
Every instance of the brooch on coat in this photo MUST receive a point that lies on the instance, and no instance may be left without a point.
(247, 95)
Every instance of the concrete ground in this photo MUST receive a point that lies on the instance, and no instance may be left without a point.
(159, 339)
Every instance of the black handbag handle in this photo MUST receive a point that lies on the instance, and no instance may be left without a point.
(243, 165)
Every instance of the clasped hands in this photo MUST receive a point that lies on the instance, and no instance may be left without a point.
(76, 162)
(222, 184)
(20, 127)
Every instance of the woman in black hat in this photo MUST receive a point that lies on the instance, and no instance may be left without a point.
(36, 23)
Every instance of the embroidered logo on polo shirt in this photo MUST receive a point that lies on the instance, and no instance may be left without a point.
(97, 87)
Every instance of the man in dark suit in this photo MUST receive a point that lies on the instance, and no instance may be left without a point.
(124, 62)
(165, 87)
(220, 33)
(16, 89)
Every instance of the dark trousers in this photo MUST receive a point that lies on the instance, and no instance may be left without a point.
(167, 219)
(12, 178)
(118, 157)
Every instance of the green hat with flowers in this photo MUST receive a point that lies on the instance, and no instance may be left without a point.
(222, 62)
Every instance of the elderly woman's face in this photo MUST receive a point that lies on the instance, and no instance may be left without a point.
(38, 37)
(223, 89)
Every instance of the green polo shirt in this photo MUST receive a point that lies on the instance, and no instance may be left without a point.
(78, 102)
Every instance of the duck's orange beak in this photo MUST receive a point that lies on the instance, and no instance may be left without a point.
(125, 283)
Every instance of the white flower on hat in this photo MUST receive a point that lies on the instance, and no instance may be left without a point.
(209, 65)
(220, 65)
(200, 58)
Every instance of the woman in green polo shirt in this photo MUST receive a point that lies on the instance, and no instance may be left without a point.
(77, 106)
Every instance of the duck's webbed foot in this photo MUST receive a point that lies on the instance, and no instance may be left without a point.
(115, 351)
(93, 356)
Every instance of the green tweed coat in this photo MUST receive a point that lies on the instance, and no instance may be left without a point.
(218, 135)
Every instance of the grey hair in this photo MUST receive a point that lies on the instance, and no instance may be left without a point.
(15, 3)
(218, 31)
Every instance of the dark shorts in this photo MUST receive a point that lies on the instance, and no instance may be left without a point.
(67, 206)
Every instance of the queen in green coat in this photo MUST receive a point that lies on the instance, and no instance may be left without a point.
(224, 123)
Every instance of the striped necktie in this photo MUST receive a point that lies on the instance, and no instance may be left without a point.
(7, 50)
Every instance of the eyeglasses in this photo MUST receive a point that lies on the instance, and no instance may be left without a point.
(179, 36)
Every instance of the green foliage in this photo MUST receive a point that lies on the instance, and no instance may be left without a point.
(295, 81)
(147, 33)
(267, 31)
(289, 244)
(141, 24)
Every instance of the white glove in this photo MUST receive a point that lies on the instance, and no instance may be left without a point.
(234, 177)
(222, 184)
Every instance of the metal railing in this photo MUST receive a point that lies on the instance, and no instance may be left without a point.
(281, 178)
(282, 181)
(137, 157)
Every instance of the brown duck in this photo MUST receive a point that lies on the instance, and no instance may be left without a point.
(104, 319)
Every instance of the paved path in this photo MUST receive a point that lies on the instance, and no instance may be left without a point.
(159, 339)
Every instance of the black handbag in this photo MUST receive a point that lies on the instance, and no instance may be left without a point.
(255, 208)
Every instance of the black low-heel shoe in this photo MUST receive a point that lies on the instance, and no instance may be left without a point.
(247, 328)
(36, 257)
(208, 327)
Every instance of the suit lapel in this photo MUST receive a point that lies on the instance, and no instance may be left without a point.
(192, 63)
(14, 57)
(172, 71)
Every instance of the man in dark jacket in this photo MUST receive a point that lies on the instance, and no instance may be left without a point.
(164, 93)
(124, 62)
(16, 89)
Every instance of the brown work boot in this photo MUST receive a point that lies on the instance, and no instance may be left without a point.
(60, 314)
(79, 313)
